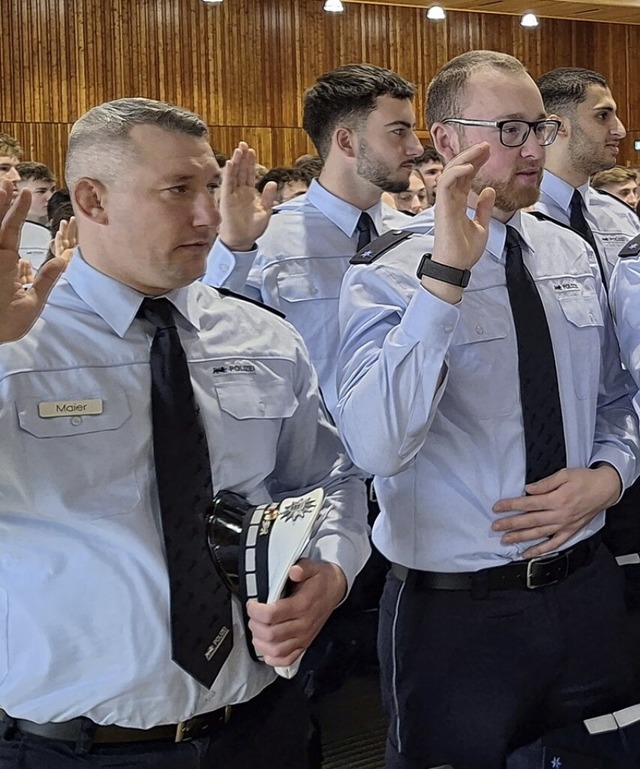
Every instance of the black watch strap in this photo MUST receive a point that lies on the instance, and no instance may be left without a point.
(443, 272)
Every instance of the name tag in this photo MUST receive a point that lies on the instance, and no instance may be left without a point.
(70, 408)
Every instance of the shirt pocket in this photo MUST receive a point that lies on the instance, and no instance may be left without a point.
(480, 356)
(256, 398)
(252, 410)
(310, 303)
(87, 463)
(585, 322)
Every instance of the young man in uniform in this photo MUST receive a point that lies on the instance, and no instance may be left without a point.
(479, 381)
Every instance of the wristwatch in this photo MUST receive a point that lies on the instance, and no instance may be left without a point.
(443, 272)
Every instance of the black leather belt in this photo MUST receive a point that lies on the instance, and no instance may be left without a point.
(536, 572)
(72, 731)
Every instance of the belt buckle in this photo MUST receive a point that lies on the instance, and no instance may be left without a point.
(183, 727)
(544, 560)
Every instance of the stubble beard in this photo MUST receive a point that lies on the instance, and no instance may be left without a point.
(585, 156)
(377, 173)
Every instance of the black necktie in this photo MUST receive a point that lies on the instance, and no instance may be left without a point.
(366, 231)
(579, 223)
(201, 626)
(539, 395)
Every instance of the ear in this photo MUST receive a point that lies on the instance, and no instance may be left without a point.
(446, 140)
(343, 138)
(89, 198)
(565, 126)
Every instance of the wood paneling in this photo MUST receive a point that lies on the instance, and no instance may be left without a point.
(611, 11)
(244, 64)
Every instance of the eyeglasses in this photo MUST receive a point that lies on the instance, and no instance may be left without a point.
(514, 133)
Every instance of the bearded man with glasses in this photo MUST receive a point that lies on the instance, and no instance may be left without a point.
(486, 396)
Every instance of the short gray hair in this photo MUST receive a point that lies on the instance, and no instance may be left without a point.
(100, 138)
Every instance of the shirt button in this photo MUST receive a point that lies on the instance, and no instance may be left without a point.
(479, 330)
(593, 317)
(76, 421)
(448, 329)
(262, 406)
(314, 291)
(224, 266)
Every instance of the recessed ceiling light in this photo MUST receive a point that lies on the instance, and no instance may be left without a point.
(333, 6)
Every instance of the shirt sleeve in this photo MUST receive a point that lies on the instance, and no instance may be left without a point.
(616, 435)
(392, 368)
(311, 455)
(230, 269)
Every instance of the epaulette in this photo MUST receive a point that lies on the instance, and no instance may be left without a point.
(379, 246)
(617, 199)
(631, 249)
(227, 292)
(546, 218)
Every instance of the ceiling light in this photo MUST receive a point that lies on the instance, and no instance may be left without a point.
(333, 6)
(212, 1)
(529, 20)
(435, 13)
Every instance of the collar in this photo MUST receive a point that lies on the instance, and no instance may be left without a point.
(498, 236)
(560, 191)
(342, 214)
(116, 303)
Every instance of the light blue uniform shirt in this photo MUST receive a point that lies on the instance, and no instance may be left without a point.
(624, 295)
(429, 393)
(84, 594)
(613, 224)
(298, 269)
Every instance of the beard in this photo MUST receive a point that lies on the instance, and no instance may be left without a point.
(510, 196)
(586, 155)
(377, 172)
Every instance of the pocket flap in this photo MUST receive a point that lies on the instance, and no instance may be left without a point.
(305, 286)
(263, 397)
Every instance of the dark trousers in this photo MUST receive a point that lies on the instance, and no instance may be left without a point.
(271, 732)
(466, 680)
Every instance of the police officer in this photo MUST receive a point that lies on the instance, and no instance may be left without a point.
(487, 398)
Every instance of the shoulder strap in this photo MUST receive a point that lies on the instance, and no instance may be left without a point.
(631, 249)
(380, 246)
(227, 292)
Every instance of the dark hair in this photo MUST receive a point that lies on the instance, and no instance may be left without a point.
(63, 211)
(429, 155)
(221, 158)
(59, 198)
(29, 170)
(564, 88)
(311, 164)
(347, 95)
(445, 91)
(281, 176)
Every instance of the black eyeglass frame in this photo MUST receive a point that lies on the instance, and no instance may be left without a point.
(532, 125)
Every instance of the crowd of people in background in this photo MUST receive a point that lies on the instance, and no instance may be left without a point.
(50, 205)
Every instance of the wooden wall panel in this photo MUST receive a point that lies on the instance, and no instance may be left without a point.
(244, 64)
